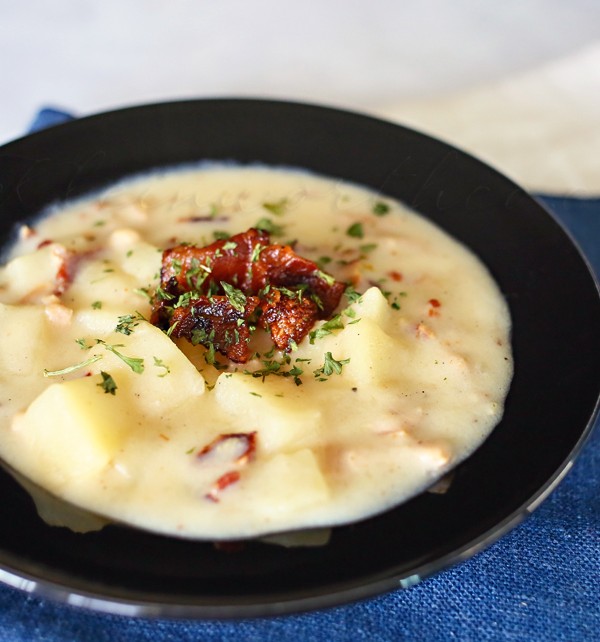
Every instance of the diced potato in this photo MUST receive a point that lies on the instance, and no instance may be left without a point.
(168, 378)
(142, 260)
(30, 276)
(374, 355)
(96, 323)
(74, 428)
(103, 282)
(288, 482)
(273, 408)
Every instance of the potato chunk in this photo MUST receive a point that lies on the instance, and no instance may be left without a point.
(275, 409)
(289, 482)
(27, 278)
(74, 428)
(168, 379)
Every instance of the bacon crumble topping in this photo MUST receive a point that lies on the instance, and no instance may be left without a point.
(219, 294)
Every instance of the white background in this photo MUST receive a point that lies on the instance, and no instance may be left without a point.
(90, 56)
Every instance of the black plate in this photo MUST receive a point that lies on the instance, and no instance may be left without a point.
(556, 315)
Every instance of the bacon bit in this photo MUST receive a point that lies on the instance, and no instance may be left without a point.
(288, 319)
(225, 480)
(247, 454)
(66, 270)
(26, 232)
(424, 331)
(202, 219)
(216, 322)
(433, 312)
(395, 276)
(250, 263)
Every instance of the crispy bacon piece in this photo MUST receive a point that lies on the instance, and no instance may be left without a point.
(280, 266)
(215, 321)
(248, 262)
(187, 267)
(248, 441)
(292, 293)
(66, 270)
(287, 318)
(224, 480)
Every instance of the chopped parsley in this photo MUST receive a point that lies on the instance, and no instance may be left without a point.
(219, 235)
(163, 295)
(326, 277)
(380, 208)
(82, 344)
(127, 322)
(236, 297)
(256, 250)
(330, 366)
(267, 225)
(97, 305)
(368, 247)
(356, 231)
(108, 383)
(276, 207)
(352, 295)
(77, 366)
(145, 292)
(328, 327)
(135, 363)
(159, 363)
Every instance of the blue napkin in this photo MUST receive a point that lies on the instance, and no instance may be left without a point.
(539, 582)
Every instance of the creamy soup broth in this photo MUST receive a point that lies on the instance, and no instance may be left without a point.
(101, 408)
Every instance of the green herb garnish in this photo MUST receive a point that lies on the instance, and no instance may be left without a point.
(236, 297)
(77, 366)
(108, 383)
(380, 208)
(355, 230)
(267, 225)
(328, 327)
(159, 363)
(135, 363)
(276, 207)
(330, 366)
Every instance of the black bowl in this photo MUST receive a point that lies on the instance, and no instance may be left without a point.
(556, 315)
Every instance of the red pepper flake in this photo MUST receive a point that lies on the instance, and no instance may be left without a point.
(395, 276)
(433, 312)
(44, 243)
(224, 480)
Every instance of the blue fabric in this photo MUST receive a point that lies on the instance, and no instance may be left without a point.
(540, 582)
(47, 117)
